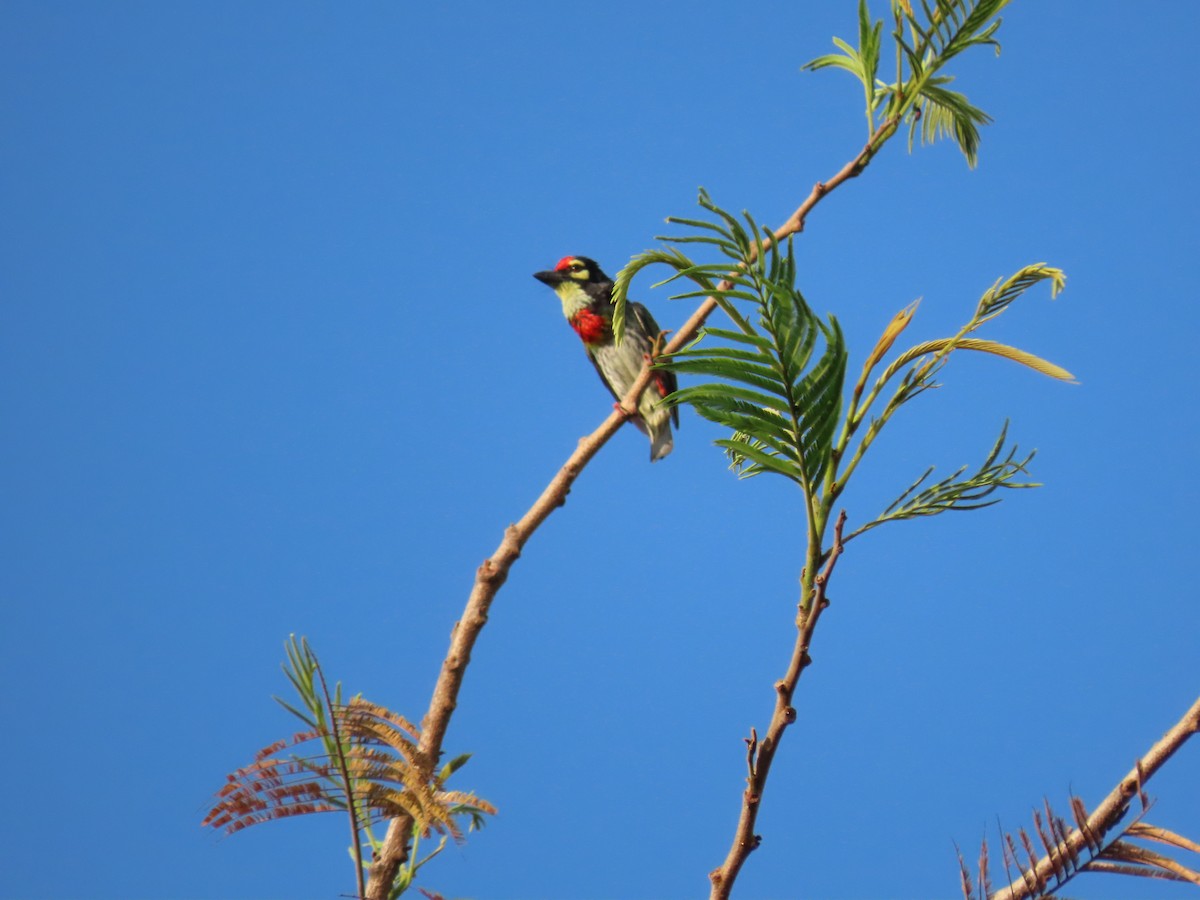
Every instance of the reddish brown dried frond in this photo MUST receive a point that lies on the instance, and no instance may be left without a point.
(371, 723)
(967, 892)
(1162, 835)
(468, 801)
(381, 767)
(1136, 860)
(276, 788)
(269, 789)
(1063, 859)
(985, 877)
(379, 748)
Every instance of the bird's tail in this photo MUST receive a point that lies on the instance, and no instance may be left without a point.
(661, 441)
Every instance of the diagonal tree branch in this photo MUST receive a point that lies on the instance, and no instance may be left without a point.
(1110, 811)
(492, 574)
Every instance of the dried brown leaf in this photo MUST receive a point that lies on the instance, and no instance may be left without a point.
(1099, 865)
(965, 873)
(1162, 835)
(1123, 851)
(985, 878)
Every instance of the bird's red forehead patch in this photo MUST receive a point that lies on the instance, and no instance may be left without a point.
(564, 264)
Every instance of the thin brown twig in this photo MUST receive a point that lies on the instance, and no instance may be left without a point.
(1112, 809)
(491, 575)
(745, 841)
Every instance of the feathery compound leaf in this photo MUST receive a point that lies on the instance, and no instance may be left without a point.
(782, 408)
(667, 256)
(994, 301)
(819, 395)
(848, 60)
(957, 493)
(754, 373)
(937, 31)
(943, 113)
(952, 26)
(754, 340)
(741, 410)
(861, 62)
(1016, 355)
(749, 457)
(1001, 294)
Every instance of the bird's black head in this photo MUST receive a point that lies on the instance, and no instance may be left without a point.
(574, 270)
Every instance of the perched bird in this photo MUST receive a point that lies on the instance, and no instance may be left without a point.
(586, 295)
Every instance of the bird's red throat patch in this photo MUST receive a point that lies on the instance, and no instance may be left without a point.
(591, 327)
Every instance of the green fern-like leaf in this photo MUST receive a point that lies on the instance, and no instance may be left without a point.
(946, 113)
(948, 27)
(998, 297)
(767, 383)
(956, 493)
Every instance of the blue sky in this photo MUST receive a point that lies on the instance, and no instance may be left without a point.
(271, 361)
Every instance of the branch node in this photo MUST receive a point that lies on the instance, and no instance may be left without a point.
(489, 573)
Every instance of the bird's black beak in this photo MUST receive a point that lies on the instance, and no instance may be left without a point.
(549, 278)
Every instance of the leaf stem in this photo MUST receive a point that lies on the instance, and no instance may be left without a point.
(347, 783)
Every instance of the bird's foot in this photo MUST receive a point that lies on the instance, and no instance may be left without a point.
(623, 411)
